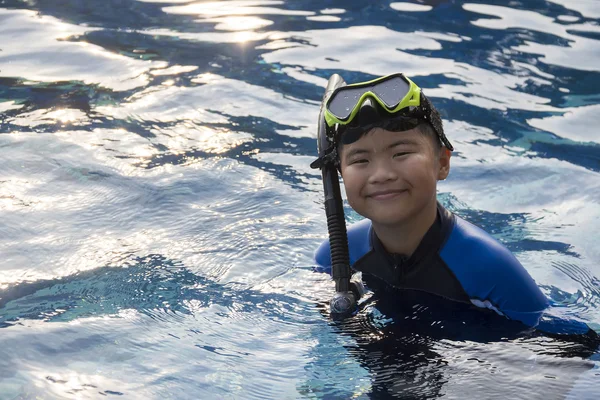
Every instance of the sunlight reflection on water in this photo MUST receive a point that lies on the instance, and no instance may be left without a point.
(159, 213)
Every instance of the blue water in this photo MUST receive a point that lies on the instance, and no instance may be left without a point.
(159, 214)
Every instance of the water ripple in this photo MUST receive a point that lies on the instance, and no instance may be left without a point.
(159, 214)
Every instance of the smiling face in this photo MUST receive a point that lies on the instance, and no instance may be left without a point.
(391, 177)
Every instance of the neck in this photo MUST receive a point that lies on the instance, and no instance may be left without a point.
(405, 238)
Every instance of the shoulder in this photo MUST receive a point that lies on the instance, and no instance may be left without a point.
(468, 243)
(491, 275)
(359, 244)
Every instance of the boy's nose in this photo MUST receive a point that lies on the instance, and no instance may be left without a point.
(382, 172)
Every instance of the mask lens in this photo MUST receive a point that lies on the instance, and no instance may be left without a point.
(344, 102)
(391, 91)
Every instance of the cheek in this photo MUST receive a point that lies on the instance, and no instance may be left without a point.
(352, 182)
(420, 171)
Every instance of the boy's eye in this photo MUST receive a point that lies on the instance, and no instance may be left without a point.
(359, 161)
(402, 153)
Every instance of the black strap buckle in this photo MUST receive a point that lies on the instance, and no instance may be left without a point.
(330, 157)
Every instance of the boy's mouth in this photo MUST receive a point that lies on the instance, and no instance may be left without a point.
(386, 194)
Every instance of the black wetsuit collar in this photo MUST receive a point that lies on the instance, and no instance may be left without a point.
(433, 240)
(423, 271)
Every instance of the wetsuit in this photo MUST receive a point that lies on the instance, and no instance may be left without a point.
(455, 260)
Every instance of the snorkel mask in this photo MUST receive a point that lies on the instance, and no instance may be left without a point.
(392, 102)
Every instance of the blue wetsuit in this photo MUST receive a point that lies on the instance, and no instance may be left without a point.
(455, 260)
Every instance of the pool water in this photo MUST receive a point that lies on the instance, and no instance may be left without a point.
(159, 214)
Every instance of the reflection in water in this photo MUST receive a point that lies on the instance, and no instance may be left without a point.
(587, 8)
(576, 125)
(131, 129)
(579, 52)
(151, 285)
(417, 346)
(141, 317)
(46, 37)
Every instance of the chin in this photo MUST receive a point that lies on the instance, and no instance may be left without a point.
(390, 221)
(388, 218)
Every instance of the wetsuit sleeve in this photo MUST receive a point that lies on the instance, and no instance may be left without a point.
(491, 275)
(358, 243)
(322, 258)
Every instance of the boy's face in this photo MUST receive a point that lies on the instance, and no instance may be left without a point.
(391, 177)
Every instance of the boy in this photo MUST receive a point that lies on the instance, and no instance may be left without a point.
(391, 151)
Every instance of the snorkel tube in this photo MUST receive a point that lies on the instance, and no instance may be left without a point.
(343, 302)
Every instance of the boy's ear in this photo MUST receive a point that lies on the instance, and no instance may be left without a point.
(444, 163)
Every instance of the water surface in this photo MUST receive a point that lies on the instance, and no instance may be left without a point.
(159, 214)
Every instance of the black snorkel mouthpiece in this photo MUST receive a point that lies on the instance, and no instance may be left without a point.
(344, 301)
